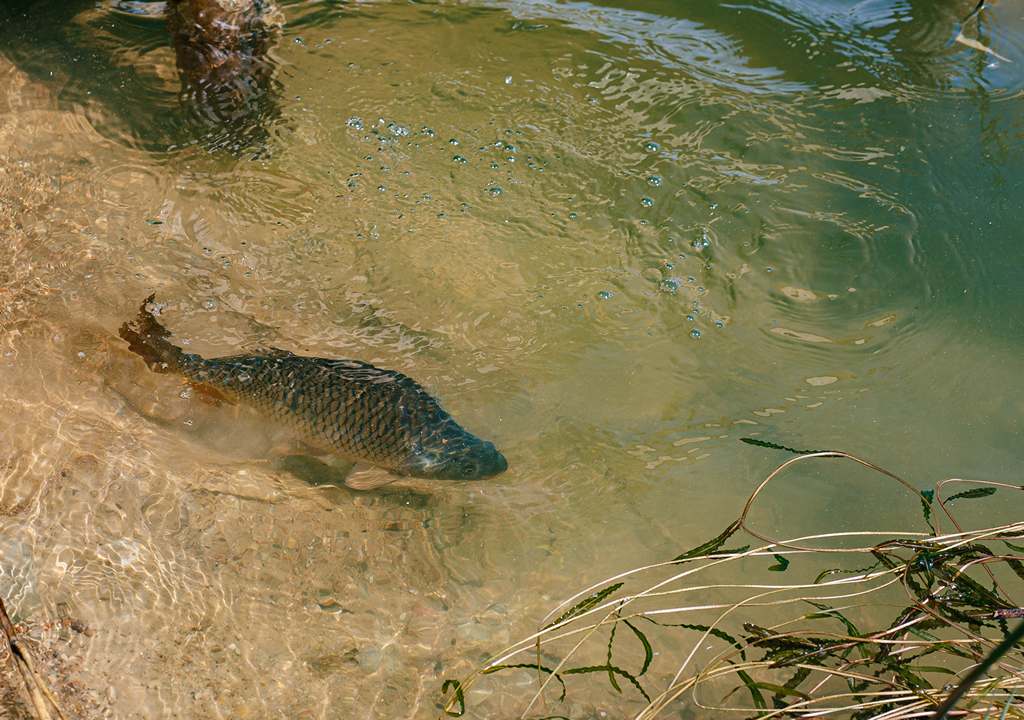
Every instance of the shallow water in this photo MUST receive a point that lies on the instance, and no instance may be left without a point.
(613, 238)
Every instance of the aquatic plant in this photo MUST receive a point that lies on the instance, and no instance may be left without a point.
(899, 625)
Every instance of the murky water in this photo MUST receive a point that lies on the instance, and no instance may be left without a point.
(613, 238)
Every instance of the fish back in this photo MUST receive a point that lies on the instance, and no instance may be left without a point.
(350, 407)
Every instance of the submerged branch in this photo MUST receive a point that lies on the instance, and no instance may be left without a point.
(43, 703)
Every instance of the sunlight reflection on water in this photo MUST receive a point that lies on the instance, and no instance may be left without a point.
(667, 228)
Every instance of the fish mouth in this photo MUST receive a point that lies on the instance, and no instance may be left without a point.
(471, 459)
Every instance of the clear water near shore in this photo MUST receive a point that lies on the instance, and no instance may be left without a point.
(613, 238)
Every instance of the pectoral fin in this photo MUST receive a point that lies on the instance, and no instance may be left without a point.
(363, 477)
(210, 395)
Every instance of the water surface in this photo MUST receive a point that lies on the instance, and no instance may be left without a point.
(614, 238)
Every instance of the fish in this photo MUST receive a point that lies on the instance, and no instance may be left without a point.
(349, 408)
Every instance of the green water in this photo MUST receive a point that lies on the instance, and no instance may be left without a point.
(614, 238)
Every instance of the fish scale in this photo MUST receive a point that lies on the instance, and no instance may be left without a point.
(351, 408)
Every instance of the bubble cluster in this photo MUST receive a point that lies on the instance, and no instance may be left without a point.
(671, 285)
(702, 242)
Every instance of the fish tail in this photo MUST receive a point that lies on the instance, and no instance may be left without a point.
(148, 340)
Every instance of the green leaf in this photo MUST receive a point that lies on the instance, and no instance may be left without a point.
(781, 563)
(711, 545)
(798, 677)
(782, 691)
(752, 687)
(927, 498)
(529, 666)
(973, 592)
(611, 639)
(1017, 566)
(840, 571)
(972, 494)
(648, 650)
(830, 612)
(1010, 545)
(611, 669)
(774, 446)
(720, 634)
(586, 604)
(459, 698)
(933, 669)
(913, 681)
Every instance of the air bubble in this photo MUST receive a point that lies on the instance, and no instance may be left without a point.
(355, 123)
(459, 159)
(695, 333)
(651, 146)
(647, 202)
(654, 180)
(605, 295)
(703, 242)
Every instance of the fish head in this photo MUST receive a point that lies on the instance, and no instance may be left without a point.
(460, 456)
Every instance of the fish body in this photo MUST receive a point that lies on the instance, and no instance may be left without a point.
(358, 411)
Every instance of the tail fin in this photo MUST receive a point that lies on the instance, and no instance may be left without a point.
(149, 341)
